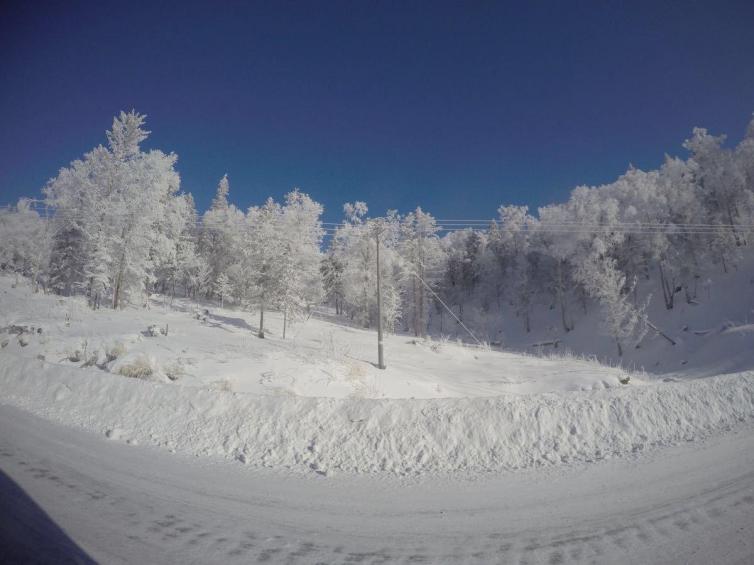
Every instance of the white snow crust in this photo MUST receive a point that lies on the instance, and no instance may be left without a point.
(402, 436)
(240, 399)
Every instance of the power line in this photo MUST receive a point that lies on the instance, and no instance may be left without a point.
(446, 307)
(330, 229)
(438, 221)
(539, 227)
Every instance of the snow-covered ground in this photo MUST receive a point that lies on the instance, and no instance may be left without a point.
(208, 444)
(691, 504)
(318, 359)
(315, 403)
(713, 334)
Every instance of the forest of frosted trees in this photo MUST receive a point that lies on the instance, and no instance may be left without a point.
(114, 227)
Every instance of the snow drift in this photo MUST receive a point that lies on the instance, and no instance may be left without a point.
(397, 436)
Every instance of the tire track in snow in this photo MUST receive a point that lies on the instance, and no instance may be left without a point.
(128, 504)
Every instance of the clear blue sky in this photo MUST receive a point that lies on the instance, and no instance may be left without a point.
(456, 107)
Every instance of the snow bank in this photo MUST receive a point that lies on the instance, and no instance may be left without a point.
(380, 435)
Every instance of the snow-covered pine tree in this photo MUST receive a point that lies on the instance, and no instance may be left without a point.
(220, 236)
(76, 195)
(67, 260)
(220, 201)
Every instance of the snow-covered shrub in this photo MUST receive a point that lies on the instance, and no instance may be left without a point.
(79, 354)
(139, 368)
(201, 314)
(439, 344)
(114, 351)
(90, 362)
(154, 330)
(484, 345)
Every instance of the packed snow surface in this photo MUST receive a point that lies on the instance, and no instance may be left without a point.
(137, 504)
(314, 402)
(210, 347)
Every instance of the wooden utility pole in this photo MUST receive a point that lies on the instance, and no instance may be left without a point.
(380, 352)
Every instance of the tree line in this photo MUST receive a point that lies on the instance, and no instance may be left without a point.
(115, 227)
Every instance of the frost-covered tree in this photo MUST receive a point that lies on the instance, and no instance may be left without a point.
(565, 235)
(222, 288)
(25, 242)
(145, 184)
(173, 252)
(677, 252)
(509, 244)
(355, 246)
(198, 278)
(262, 268)
(116, 227)
(600, 276)
(422, 255)
(68, 258)
(97, 268)
(220, 237)
(77, 197)
(220, 201)
(119, 200)
(126, 135)
(301, 233)
(724, 192)
(463, 251)
(331, 270)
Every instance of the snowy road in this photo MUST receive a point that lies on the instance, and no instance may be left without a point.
(134, 504)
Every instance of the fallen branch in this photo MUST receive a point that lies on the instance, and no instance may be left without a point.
(554, 344)
(659, 331)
